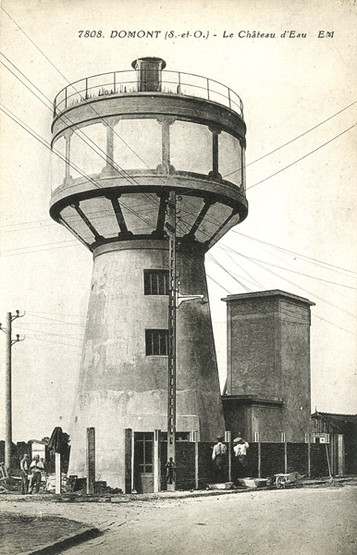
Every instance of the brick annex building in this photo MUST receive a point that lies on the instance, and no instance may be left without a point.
(267, 394)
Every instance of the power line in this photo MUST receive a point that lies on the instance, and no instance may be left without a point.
(229, 273)
(287, 269)
(132, 149)
(55, 342)
(333, 324)
(74, 314)
(53, 319)
(292, 140)
(75, 245)
(79, 132)
(47, 220)
(40, 99)
(45, 144)
(294, 321)
(219, 284)
(128, 145)
(34, 246)
(302, 157)
(70, 336)
(299, 286)
(252, 281)
(312, 260)
(81, 135)
(21, 73)
(65, 78)
(293, 253)
(296, 272)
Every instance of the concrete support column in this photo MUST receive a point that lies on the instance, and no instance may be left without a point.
(165, 162)
(242, 170)
(215, 153)
(68, 155)
(110, 148)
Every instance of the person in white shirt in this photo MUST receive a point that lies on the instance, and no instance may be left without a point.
(240, 447)
(219, 457)
(36, 469)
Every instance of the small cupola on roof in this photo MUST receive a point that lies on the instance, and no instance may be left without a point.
(149, 73)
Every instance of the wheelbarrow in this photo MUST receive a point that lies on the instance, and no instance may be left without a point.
(281, 481)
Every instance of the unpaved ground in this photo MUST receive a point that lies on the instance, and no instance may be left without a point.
(306, 521)
(20, 533)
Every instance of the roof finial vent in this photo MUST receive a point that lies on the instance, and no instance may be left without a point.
(149, 73)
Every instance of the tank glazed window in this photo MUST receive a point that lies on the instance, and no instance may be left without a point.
(191, 147)
(230, 161)
(156, 342)
(156, 282)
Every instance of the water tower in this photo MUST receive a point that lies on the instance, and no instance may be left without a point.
(127, 140)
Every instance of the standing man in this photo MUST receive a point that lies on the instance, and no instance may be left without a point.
(24, 467)
(219, 458)
(36, 469)
(240, 447)
(170, 471)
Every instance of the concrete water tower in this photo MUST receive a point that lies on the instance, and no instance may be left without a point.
(127, 140)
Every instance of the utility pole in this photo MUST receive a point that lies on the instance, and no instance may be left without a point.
(175, 299)
(8, 398)
(171, 408)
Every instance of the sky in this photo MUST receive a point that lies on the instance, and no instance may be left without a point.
(299, 95)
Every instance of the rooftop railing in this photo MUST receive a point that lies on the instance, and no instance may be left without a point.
(126, 82)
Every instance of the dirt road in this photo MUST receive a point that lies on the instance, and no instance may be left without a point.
(306, 521)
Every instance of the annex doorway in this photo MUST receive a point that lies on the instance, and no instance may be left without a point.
(144, 462)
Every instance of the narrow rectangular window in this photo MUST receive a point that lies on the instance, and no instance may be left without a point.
(156, 342)
(156, 282)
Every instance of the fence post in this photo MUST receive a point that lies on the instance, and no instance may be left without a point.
(259, 456)
(308, 455)
(90, 460)
(157, 461)
(128, 435)
(285, 455)
(195, 435)
(228, 439)
(58, 472)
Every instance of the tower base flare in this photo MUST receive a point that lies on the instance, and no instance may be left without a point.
(124, 368)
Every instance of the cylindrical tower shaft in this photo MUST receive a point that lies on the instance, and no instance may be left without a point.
(123, 377)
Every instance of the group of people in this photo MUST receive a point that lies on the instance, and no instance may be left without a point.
(31, 474)
(219, 454)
